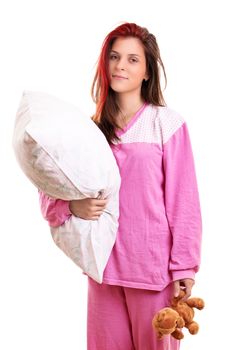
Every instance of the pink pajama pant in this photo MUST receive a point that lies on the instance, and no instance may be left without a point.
(119, 318)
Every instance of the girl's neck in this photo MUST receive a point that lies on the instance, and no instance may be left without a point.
(129, 104)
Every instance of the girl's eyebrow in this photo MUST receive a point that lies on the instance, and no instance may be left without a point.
(130, 54)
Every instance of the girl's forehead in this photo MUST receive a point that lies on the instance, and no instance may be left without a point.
(129, 44)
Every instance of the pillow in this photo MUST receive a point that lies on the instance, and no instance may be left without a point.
(66, 156)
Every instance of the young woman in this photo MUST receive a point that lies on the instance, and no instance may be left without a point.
(157, 250)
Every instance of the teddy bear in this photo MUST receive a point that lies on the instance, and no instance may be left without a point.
(170, 320)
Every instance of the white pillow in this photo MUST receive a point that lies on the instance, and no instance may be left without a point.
(67, 156)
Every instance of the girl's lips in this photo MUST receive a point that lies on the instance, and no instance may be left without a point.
(118, 77)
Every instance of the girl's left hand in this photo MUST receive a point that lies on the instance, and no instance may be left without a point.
(185, 284)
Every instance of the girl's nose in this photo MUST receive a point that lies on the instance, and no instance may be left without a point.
(121, 64)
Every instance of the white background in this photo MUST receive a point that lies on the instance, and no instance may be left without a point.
(52, 46)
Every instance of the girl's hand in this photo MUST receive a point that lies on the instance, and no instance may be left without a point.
(185, 284)
(88, 208)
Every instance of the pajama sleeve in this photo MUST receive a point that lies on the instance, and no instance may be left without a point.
(55, 211)
(182, 204)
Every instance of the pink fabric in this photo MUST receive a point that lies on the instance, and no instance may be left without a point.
(182, 202)
(121, 318)
(159, 235)
(159, 232)
(55, 211)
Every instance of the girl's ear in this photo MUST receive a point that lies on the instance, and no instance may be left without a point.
(146, 77)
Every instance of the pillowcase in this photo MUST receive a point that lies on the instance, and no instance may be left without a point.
(66, 156)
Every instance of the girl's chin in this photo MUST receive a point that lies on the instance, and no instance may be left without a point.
(118, 89)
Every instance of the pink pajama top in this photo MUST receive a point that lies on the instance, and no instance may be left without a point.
(159, 234)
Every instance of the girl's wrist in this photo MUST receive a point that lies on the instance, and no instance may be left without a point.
(69, 208)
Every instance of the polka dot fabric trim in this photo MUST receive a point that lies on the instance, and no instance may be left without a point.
(155, 125)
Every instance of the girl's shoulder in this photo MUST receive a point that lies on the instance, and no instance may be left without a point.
(166, 119)
(165, 114)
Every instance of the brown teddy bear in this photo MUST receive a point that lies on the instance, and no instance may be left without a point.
(170, 320)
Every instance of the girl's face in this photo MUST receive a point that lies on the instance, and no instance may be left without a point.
(127, 65)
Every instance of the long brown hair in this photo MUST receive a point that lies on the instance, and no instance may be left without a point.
(101, 92)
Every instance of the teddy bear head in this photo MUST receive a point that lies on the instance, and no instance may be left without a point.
(170, 320)
(166, 321)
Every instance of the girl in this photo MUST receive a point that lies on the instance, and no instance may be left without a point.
(157, 250)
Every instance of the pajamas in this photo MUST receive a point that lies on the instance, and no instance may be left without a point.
(120, 318)
(159, 235)
(160, 228)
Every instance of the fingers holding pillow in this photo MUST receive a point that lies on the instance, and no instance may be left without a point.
(88, 208)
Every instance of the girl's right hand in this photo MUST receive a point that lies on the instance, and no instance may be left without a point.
(88, 208)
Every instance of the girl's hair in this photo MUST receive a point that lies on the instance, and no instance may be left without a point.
(101, 92)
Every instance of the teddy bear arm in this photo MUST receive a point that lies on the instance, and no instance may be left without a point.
(198, 303)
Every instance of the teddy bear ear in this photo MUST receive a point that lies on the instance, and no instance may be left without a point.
(180, 322)
(160, 315)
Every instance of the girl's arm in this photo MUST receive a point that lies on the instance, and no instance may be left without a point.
(182, 205)
(55, 211)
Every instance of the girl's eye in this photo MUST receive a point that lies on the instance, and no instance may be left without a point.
(113, 57)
